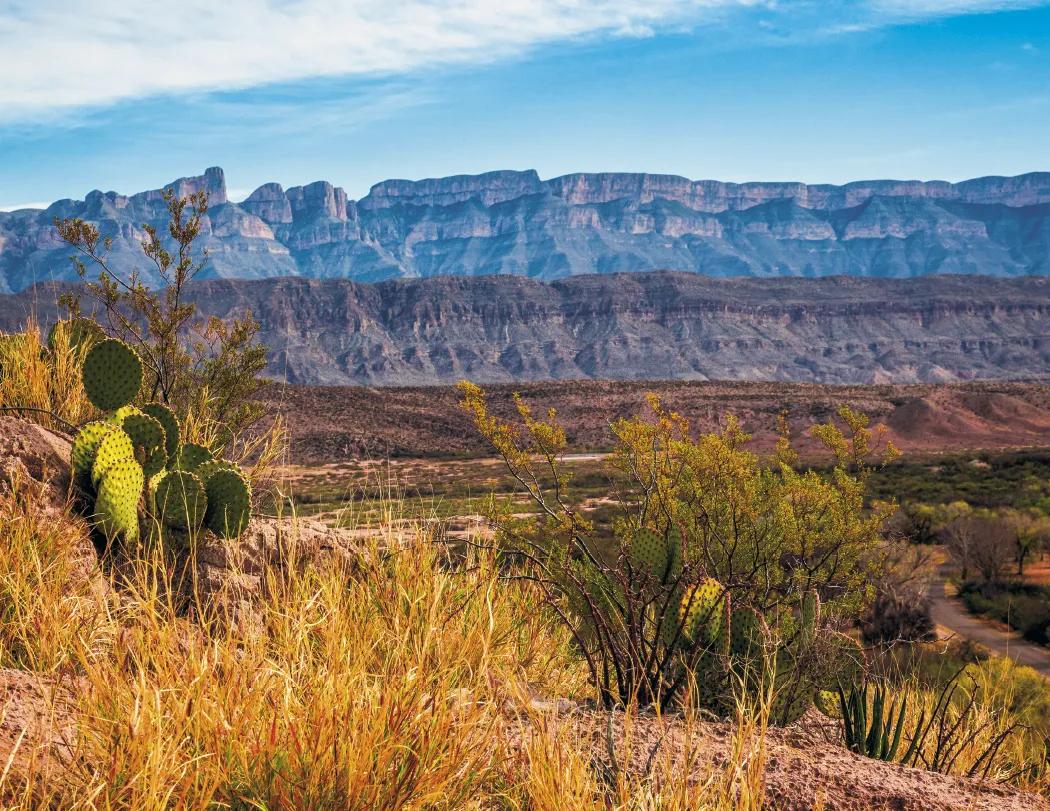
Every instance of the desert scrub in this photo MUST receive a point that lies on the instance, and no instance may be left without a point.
(714, 559)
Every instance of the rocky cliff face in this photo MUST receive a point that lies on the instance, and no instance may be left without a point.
(639, 326)
(514, 223)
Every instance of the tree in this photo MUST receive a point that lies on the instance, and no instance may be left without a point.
(1031, 534)
(205, 369)
(980, 544)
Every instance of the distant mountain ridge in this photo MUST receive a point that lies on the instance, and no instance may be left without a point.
(632, 326)
(514, 223)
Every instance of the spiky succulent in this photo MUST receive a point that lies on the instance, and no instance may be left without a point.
(181, 501)
(112, 374)
(80, 333)
(170, 423)
(191, 456)
(229, 503)
(131, 466)
(117, 502)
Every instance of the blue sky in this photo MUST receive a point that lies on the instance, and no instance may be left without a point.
(101, 94)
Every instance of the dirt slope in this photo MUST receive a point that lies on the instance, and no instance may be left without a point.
(331, 424)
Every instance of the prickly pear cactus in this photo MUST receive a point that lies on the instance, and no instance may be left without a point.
(702, 611)
(229, 503)
(132, 469)
(181, 501)
(85, 447)
(112, 374)
(648, 553)
(170, 423)
(82, 333)
(114, 447)
(117, 503)
(148, 438)
(191, 456)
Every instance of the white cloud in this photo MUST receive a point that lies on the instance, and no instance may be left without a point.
(18, 206)
(921, 9)
(57, 54)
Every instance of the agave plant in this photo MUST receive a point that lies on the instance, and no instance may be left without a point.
(876, 734)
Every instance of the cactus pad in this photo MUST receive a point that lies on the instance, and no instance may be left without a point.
(81, 333)
(748, 636)
(205, 470)
(148, 437)
(116, 446)
(192, 456)
(648, 553)
(166, 417)
(112, 374)
(810, 613)
(117, 504)
(181, 501)
(85, 446)
(229, 503)
(675, 556)
(701, 612)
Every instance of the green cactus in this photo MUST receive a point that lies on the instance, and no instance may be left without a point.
(229, 503)
(647, 552)
(719, 641)
(113, 458)
(117, 504)
(85, 446)
(112, 374)
(148, 437)
(205, 470)
(181, 501)
(701, 612)
(114, 447)
(191, 456)
(82, 333)
(169, 422)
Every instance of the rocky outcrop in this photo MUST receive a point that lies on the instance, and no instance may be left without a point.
(668, 326)
(32, 455)
(511, 222)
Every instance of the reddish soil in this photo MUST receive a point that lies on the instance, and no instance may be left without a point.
(331, 424)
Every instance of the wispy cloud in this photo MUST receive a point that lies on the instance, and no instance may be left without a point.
(19, 206)
(72, 53)
(58, 55)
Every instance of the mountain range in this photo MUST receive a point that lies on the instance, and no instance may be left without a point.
(514, 223)
(631, 326)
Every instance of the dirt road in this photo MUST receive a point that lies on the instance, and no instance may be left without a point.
(948, 612)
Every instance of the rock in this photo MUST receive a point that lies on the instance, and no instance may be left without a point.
(37, 727)
(513, 222)
(231, 574)
(35, 456)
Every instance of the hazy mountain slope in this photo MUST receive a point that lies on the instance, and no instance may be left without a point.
(516, 223)
(658, 325)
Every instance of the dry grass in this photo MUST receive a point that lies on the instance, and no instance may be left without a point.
(386, 690)
(45, 380)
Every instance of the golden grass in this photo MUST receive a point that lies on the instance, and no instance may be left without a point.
(44, 379)
(386, 690)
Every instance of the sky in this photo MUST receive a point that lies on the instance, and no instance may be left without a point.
(126, 96)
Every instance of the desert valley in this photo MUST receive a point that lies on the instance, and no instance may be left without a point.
(554, 406)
